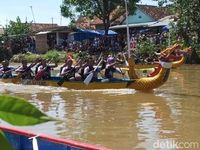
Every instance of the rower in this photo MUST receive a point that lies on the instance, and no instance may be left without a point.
(68, 71)
(25, 71)
(6, 70)
(83, 65)
(90, 68)
(44, 70)
(120, 58)
(111, 68)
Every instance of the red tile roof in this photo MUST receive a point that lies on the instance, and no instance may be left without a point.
(155, 12)
(42, 26)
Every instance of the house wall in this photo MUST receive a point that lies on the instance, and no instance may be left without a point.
(41, 43)
(1, 31)
(139, 17)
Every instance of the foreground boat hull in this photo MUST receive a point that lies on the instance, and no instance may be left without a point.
(20, 141)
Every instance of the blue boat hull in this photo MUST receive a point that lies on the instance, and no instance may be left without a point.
(20, 141)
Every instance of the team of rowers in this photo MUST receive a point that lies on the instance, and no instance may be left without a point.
(83, 68)
(70, 70)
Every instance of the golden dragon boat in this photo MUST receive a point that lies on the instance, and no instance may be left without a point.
(152, 81)
(153, 69)
(175, 64)
(142, 84)
(179, 61)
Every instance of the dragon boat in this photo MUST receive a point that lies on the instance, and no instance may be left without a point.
(154, 80)
(177, 60)
(142, 84)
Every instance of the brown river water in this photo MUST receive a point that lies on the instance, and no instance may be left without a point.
(124, 119)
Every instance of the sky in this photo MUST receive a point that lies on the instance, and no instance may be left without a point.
(44, 11)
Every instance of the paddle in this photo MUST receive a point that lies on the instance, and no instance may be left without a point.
(123, 74)
(90, 76)
(13, 69)
(65, 77)
(16, 79)
(126, 62)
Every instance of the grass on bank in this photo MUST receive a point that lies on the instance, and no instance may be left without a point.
(58, 56)
(54, 55)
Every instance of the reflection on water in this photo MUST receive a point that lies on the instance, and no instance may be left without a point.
(121, 119)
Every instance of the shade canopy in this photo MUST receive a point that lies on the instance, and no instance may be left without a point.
(82, 34)
(97, 32)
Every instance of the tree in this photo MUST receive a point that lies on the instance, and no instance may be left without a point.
(188, 14)
(187, 23)
(15, 35)
(17, 27)
(99, 8)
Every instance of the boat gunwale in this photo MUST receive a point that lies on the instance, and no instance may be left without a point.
(52, 139)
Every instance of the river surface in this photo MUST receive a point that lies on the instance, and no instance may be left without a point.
(122, 119)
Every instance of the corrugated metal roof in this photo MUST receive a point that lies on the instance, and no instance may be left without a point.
(146, 24)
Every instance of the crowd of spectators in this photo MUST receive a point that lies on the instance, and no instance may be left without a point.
(117, 43)
(97, 44)
(114, 43)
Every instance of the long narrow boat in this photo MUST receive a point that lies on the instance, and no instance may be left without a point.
(143, 84)
(26, 140)
(175, 64)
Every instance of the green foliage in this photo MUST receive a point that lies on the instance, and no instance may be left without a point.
(15, 34)
(17, 28)
(4, 143)
(145, 47)
(18, 111)
(5, 54)
(188, 14)
(27, 56)
(98, 8)
(55, 55)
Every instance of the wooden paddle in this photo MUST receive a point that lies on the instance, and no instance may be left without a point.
(13, 69)
(126, 62)
(90, 76)
(65, 78)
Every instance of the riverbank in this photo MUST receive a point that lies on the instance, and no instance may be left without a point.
(57, 56)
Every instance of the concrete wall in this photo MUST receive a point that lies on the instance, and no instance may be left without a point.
(41, 43)
(139, 17)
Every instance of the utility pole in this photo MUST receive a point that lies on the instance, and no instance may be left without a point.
(61, 20)
(32, 14)
(52, 21)
(127, 28)
(6, 23)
